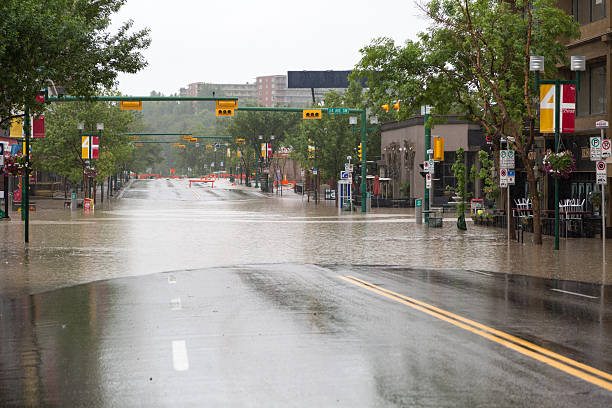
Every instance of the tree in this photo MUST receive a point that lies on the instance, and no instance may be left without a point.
(459, 171)
(478, 55)
(66, 42)
(250, 125)
(60, 150)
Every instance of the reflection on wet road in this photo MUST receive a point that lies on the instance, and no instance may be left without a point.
(301, 335)
(227, 297)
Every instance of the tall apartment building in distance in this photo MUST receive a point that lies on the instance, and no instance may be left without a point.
(269, 91)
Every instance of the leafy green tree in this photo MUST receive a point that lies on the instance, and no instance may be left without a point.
(459, 171)
(478, 52)
(60, 150)
(67, 42)
(485, 173)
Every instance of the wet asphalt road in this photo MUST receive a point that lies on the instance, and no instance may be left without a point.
(300, 335)
(282, 333)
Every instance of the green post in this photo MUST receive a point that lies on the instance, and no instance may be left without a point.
(25, 202)
(426, 157)
(364, 169)
(256, 171)
(557, 111)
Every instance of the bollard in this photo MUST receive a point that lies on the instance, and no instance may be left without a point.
(418, 210)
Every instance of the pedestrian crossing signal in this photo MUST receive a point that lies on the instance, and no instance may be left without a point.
(225, 108)
(311, 114)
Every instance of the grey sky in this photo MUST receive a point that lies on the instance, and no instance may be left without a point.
(227, 41)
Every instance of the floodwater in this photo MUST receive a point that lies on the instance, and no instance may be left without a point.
(164, 225)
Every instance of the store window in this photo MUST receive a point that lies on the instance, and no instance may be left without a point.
(592, 98)
(588, 11)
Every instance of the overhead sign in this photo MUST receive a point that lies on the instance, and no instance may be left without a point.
(506, 159)
(567, 107)
(511, 177)
(606, 148)
(503, 178)
(130, 105)
(428, 180)
(595, 145)
(601, 173)
(337, 110)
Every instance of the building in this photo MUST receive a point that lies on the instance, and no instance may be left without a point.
(246, 93)
(403, 150)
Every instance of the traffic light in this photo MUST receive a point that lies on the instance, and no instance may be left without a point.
(311, 114)
(396, 106)
(385, 107)
(225, 108)
(438, 154)
(359, 151)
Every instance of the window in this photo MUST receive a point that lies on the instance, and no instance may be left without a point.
(588, 11)
(592, 95)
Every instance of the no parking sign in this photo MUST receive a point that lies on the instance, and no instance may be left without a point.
(606, 148)
(601, 172)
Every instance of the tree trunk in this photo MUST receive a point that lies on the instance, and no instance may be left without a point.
(102, 191)
(535, 198)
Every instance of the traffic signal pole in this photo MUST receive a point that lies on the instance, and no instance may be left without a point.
(426, 157)
(364, 170)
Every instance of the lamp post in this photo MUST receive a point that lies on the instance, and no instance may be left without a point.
(260, 137)
(578, 63)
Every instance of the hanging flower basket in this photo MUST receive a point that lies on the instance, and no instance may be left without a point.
(90, 172)
(560, 164)
(15, 165)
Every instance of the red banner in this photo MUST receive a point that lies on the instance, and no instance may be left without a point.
(38, 126)
(95, 147)
(568, 108)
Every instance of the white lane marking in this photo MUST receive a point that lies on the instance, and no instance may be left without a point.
(574, 293)
(180, 361)
(175, 304)
(171, 279)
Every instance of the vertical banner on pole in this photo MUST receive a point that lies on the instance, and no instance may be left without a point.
(547, 108)
(95, 147)
(568, 108)
(16, 127)
(85, 147)
(38, 126)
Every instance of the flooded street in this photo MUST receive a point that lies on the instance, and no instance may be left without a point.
(163, 225)
(171, 296)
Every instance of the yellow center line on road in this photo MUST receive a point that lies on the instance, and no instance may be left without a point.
(497, 336)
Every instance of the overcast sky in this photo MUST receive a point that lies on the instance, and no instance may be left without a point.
(234, 41)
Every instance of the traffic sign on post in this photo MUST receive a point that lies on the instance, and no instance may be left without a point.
(595, 144)
(506, 159)
(344, 175)
(428, 180)
(511, 177)
(426, 166)
(432, 165)
(503, 178)
(601, 172)
(606, 148)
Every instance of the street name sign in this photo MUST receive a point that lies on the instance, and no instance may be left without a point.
(601, 172)
(595, 145)
(503, 178)
(606, 148)
(337, 110)
(511, 177)
(506, 159)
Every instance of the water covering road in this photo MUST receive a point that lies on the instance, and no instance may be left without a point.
(225, 297)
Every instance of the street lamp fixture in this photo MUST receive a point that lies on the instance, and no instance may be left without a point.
(80, 125)
(536, 63)
(100, 126)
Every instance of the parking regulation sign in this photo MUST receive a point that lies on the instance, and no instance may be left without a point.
(511, 177)
(428, 180)
(601, 172)
(595, 145)
(506, 159)
(344, 175)
(606, 148)
(503, 178)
